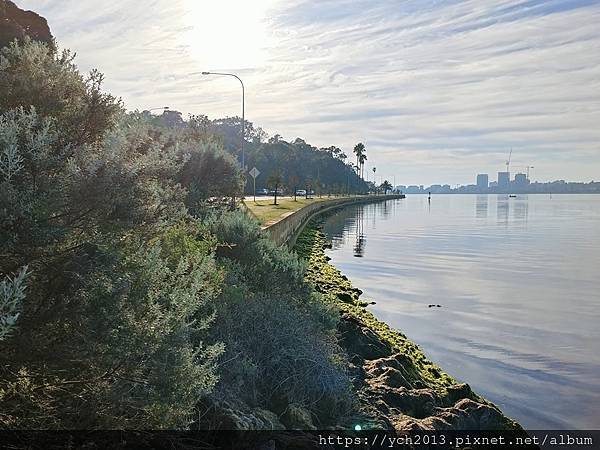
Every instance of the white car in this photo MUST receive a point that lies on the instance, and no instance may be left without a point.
(300, 192)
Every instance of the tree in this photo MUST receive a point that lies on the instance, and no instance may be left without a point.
(275, 139)
(359, 149)
(209, 174)
(293, 182)
(274, 181)
(386, 186)
(363, 158)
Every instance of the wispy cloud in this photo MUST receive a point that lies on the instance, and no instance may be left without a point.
(437, 90)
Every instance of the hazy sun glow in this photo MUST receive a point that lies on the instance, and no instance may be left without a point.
(227, 34)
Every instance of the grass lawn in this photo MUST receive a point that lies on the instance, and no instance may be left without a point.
(266, 212)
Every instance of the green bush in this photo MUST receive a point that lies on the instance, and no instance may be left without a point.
(109, 332)
(261, 264)
(35, 74)
(279, 336)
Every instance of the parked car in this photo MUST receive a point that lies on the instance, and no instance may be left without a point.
(262, 192)
(301, 192)
(279, 192)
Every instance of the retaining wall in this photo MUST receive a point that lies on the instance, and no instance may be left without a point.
(286, 230)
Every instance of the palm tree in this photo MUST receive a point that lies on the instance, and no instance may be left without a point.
(362, 159)
(359, 150)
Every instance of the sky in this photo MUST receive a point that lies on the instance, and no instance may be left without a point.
(437, 90)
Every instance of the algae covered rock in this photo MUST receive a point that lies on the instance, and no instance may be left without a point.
(359, 340)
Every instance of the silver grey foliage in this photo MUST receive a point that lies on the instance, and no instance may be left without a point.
(12, 294)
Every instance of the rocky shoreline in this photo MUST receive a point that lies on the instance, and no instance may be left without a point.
(398, 388)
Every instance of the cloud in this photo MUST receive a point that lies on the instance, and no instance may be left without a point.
(437, 90)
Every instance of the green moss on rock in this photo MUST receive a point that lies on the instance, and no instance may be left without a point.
(397, 386)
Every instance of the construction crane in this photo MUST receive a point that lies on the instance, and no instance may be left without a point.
(508, 162)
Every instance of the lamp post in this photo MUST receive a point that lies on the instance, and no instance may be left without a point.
(243, 107)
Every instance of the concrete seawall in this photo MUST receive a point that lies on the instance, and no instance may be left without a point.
(286, 230)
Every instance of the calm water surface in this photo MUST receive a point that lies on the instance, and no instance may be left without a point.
(519, 288)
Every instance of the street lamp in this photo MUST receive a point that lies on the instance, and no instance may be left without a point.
(243, 101)
(165, 108)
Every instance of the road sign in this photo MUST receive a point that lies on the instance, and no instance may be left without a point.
(254, 173)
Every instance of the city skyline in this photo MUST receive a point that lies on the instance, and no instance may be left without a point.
(504, 184)
(435, 90)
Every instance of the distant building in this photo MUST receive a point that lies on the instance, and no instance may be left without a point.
(521, 180)
(482, 181)
(503, 180)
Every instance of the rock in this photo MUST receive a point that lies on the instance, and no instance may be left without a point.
(16, 23)
(457, 392)
(391, 371)
(485, 416)
(360, 341)
(434, 371)
(393, 378)
(345, 297)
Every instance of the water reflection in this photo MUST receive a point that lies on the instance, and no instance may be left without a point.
(360, 240)
(506, 326)
(481, 206)
(502, 209)
(521, 208)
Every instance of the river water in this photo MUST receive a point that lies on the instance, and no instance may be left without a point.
(518, 284)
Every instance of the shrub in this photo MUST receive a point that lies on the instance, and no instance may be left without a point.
(12, 293)
(35, 74)
(261, 264)
(121, 350)
(279, 335)
(110, 331)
